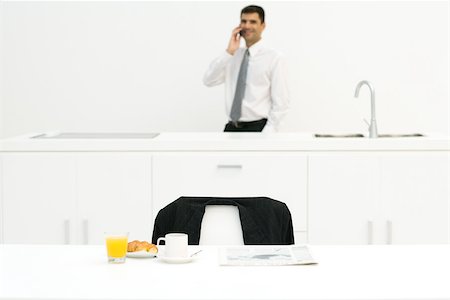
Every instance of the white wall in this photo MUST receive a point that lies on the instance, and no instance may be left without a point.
(138, 66)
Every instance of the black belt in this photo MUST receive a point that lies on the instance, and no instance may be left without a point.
(239, 124)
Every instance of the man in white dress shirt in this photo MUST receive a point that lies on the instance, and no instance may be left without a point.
(265, 98)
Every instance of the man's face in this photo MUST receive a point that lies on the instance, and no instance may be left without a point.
(252, 27)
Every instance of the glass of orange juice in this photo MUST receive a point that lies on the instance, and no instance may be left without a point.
(116, 246)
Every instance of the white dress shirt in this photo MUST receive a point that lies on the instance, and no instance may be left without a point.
(266, 92)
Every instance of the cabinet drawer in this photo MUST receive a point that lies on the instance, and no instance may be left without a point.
(281, 176)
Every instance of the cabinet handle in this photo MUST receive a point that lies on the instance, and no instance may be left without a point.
(67, 232)
(370, 232)
(85, 231)
(229, 166)
(389, 232)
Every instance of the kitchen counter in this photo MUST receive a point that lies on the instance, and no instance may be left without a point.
(211, 141)
(388, 190)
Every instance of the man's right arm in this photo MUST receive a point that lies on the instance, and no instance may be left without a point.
(215, 74)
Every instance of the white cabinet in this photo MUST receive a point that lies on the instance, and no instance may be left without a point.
(341, 198)
(414, 197)
(74, 198)
(114, 194)
(378, 198)
(344, 197)
(281, 176)
(38, 198)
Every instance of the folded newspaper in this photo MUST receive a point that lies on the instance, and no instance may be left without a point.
(265, 256)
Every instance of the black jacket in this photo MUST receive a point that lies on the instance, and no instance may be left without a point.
(264, 221)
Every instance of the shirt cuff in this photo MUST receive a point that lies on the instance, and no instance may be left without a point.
(228, 54)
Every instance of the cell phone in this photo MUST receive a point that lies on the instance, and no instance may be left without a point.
(241, 33)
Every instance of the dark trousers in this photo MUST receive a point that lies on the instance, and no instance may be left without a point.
(252, 126)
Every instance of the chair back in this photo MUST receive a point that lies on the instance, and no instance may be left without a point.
(221, 225)
(265, 221)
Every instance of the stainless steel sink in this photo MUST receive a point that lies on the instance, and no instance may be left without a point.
(401, 135)
(359, 135)
(97, 135)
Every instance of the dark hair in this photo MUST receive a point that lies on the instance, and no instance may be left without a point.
(254, 9)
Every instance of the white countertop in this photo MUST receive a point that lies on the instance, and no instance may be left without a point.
(343, 272)
(211, 141)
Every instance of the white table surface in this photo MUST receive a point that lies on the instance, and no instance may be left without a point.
(343, 272)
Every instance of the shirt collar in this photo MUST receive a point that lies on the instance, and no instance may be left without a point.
(254, 49)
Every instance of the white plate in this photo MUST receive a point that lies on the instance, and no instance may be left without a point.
(141, 254)
(176, 260)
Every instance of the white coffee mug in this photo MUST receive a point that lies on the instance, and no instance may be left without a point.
(176, 244)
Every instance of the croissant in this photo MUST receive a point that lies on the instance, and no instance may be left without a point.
(136, 245)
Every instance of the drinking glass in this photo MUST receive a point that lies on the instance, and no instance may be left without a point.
(116, 246)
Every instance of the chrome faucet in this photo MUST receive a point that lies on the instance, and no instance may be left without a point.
(373, 132)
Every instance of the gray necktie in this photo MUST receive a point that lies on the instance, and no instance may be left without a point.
(240, 89)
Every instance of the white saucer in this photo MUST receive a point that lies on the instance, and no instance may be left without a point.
(176, 260)
(141, 254)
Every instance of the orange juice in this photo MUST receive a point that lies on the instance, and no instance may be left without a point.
(116, 246)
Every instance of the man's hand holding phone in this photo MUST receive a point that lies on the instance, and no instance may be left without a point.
(235, 40)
